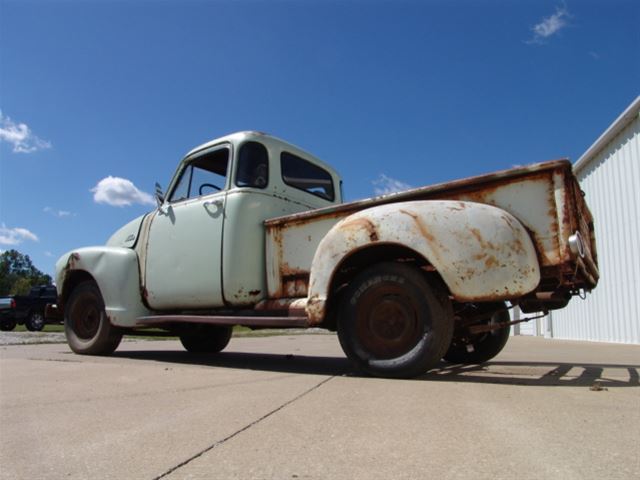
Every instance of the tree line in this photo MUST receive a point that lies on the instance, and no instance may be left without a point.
(18, 274)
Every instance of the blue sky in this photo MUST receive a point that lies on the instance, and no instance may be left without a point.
(391, 93)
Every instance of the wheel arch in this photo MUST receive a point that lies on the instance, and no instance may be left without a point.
(359, 259)
(480, 252)
(72, 279)
(115, 272)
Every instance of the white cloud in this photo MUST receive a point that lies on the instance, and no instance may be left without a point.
(15, 236)
(550, 25)
(20, 136)
(384, 185)
(120, 192)
(57, 213)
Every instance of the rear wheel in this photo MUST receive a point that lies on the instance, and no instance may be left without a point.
(86, 326)
(206, 338)
(35, 322)
(481, 347)
(393, 322)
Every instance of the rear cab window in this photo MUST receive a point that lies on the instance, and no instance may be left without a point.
(253, 166)
(306, 176)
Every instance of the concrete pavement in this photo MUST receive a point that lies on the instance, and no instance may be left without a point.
(291, 407)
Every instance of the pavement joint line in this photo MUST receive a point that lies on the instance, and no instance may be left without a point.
(243, 429)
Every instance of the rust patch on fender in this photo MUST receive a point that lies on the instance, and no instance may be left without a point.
(72, 260)
(362, 223)
(423, 230)
(483, 243)
(315, 310)
(491, 262)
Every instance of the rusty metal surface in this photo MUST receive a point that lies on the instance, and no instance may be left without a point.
(386, 321)
(293, 307)
(481, 252)
(249, 321)
(545, 198)
(428, 192)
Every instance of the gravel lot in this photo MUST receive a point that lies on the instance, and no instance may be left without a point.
(30, 338)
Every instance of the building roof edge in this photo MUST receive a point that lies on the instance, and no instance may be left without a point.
(631, 112)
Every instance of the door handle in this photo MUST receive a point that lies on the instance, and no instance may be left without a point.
(218, 204)
(215, 203)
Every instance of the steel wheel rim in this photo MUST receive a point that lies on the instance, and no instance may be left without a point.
(387, 322)
(86, 317)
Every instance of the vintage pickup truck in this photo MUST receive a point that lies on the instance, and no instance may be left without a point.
(252, 231)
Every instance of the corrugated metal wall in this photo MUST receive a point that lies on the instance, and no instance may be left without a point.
(611, 181)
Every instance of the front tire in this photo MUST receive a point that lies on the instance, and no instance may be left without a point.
(35, 322)
(393, 322)
(7, 325)
(206, 338)
(86, 326)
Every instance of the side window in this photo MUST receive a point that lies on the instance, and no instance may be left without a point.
(306, 176)
(253, 166)
(204, 175)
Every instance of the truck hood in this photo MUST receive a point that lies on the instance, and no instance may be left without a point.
(127, 236)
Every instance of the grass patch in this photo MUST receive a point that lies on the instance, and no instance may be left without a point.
(49, 328)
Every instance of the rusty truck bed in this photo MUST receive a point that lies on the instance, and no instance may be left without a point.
(525, 192)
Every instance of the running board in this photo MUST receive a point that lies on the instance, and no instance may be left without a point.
(254, 321)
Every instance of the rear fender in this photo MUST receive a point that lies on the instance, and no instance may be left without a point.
(481, 252)
(115, 270)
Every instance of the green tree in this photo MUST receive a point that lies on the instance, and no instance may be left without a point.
(18, 274)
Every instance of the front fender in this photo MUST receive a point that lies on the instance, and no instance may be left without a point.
(115, 270)
(481, 252)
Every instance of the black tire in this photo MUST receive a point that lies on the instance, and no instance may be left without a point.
(35, 321)
(86, 325)
(393, 322)
(7, 325)
(486, 345)
(206, 338)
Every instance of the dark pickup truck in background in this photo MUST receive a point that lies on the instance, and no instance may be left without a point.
(27, 309)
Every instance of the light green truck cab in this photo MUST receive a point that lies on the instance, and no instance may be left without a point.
(252, 231)
(203, 248)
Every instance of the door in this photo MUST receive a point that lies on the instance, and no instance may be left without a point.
(184, 250)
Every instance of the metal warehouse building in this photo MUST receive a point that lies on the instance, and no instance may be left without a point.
(609, 172)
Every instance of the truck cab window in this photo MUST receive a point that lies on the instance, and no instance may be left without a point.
(306, 176)
(253, 166)
(204, 175)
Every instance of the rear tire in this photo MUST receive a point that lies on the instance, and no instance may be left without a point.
(393, 322)
(86, 326)
(485, 345)
(206, 338)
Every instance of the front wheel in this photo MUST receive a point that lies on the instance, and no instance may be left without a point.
(393, 322)
(7, 325)
(35, 322)
(86, 325)
(206, 338)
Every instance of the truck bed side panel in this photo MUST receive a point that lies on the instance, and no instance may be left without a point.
(541, 197)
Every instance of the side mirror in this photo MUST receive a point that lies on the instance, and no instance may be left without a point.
(159, 195)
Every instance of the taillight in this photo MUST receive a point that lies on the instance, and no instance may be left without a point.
(13, 303)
